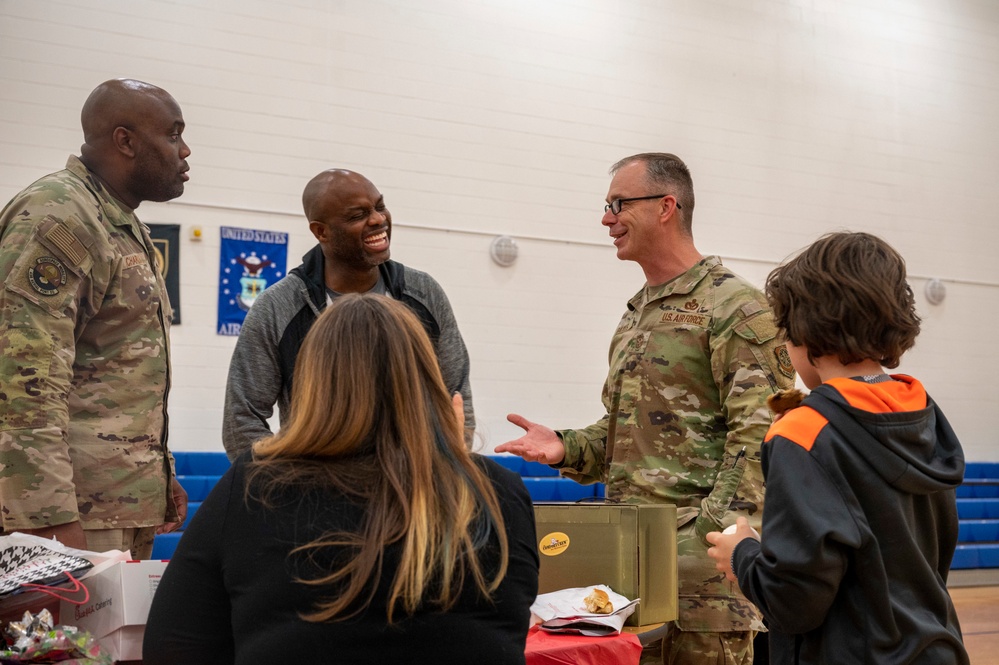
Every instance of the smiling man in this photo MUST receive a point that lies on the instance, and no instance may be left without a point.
(84, 323)
(348, 216)
(692, 362)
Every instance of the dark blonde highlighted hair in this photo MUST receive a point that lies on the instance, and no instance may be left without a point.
(373, 419)
(846, 295)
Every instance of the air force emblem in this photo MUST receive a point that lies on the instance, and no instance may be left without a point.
(251, 282)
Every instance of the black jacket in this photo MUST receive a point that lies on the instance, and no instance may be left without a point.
(859, 530)
(232, 592)
(263, 362)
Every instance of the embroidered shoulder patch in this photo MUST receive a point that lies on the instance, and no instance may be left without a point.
(784, 361)
(47, 275)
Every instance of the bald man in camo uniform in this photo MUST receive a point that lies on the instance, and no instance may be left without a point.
(84, 324)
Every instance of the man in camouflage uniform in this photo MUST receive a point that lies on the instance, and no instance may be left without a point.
(691, 364)
(84, 352)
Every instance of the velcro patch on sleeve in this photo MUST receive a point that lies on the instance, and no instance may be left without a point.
(784, 363)
(69, 241)
(758, 329)
(45, 278)
(71, 246)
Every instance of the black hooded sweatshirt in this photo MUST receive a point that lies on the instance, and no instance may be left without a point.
(859, 529)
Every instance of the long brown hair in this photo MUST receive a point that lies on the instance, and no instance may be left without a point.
(371, 417)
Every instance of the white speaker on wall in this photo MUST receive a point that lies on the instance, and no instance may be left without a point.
(935, 291)
(503, 250)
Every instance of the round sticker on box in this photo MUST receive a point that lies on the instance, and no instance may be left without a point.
(554, 543)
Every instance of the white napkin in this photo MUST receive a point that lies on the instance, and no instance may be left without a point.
(565, 612)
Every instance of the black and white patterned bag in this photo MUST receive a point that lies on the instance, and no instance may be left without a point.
(36, 564)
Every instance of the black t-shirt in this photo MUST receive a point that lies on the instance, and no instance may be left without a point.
(229, 595)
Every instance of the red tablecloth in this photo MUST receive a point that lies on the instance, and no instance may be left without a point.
(551, 649)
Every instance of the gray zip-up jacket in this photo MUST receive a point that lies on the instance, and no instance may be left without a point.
(263, 362)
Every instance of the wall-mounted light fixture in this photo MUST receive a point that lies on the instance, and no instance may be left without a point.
(935, 291)
(503, 250)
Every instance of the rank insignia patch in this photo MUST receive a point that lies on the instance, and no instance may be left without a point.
(47, 275)
(784, 361)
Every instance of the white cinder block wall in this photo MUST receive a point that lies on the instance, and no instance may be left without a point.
(797, 117)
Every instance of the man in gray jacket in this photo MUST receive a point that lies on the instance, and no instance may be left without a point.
(347, 214)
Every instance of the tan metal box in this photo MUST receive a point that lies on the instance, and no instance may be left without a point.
(630, 548)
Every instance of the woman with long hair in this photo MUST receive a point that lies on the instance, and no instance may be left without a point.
(363, 531)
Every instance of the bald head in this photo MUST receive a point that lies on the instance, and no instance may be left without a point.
(118, 103)
(321, 190)
(348, 217)
(132, 141)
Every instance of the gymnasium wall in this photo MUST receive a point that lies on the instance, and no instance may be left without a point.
(477, 118)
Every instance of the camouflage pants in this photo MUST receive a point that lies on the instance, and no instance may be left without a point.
(707, 602)
(687, 648)
(720, 623)
(138, 540)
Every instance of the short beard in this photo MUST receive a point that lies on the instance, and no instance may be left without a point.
(150, 185)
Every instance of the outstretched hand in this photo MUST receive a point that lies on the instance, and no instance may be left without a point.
(539, 443)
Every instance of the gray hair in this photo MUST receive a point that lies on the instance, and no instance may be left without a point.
(667, 172)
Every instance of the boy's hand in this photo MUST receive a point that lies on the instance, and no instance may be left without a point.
(724, 543)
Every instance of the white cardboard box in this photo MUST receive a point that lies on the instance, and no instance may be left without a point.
(116, 611)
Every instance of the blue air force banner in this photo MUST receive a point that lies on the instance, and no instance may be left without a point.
(250, 260)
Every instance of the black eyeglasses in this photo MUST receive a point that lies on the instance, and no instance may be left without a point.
(615, 205)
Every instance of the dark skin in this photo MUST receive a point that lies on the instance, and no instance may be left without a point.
(348, 217)
(126, 123)
(132, 143)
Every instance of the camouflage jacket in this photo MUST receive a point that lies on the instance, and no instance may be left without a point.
(84, 360)
(691, 365)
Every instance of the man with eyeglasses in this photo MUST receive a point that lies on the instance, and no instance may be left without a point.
(353, 226)
(692, 363)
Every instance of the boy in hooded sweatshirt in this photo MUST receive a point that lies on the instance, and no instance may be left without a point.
(861, 518)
